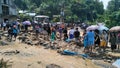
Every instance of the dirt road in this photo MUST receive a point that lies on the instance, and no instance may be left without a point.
(37, 57)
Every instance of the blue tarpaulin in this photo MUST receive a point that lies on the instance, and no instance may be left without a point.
(117, 63)
(67, 52)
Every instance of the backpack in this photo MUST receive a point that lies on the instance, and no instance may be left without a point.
(15, 30)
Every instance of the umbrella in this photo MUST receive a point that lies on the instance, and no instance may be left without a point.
(101, 28)
(115, 29)
(27, 23)
(117, 63)
(92, 27)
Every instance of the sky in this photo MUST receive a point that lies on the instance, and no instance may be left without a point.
(105, 2)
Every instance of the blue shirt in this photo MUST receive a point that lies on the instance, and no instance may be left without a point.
(90, 36)
(15, 30)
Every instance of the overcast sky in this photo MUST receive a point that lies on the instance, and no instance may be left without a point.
(105, 2)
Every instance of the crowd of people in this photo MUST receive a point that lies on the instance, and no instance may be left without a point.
(90, 39)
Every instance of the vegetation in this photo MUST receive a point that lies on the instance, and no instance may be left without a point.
(4, 64)
(75, 10)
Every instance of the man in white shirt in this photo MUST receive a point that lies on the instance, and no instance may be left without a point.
(71, 33)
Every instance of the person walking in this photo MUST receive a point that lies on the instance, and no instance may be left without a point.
(10, 32)
(15, 32)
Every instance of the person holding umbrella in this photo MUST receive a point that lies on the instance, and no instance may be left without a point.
(26, 23)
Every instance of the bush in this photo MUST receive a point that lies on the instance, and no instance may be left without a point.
(4, 64)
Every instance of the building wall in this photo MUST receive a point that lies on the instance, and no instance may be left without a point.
(0, 7)
(0, 11)
(12, 10)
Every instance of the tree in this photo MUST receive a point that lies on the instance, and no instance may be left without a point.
(113, 13)
(113, 5)
(88, 9)
(82, 10)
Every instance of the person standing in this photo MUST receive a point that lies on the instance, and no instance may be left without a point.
(18, 24)
(10, 32)
(97, 39)
(4, 26)
(65, 34)
(104, 40)
(85, 42)
(7, 24)
(113, 41)
(37, 30)
(71, 33)
(118, 40)
(53, 35)
(27, 24)
(90, 36)
(77, 36)
(60, 32)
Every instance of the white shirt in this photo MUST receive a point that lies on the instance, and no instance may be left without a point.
(71, 31)
(4, 24)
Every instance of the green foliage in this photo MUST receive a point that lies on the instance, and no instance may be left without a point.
(88, 9)
(24, 17)
(74, 10)
(113, 13)
(4, 64)
(113, 5)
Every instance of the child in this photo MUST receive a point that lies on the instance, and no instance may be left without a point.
(15, 32)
